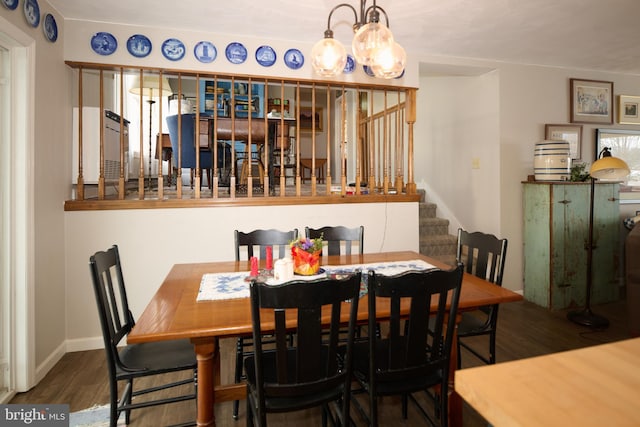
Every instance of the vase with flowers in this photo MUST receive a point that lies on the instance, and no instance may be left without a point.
(305, 254)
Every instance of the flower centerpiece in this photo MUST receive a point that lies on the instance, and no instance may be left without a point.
(305, 254)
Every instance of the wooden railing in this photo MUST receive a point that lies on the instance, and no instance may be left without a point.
(313, 139)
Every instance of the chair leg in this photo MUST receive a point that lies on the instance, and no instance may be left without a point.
(492, 347)
(238, 374)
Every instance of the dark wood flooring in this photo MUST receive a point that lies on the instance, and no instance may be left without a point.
(525, 330)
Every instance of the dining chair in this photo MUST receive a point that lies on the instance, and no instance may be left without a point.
(283, 377)
(483, 255)
(256, 242)
(412, 359)
(338, 237)
(133, 361)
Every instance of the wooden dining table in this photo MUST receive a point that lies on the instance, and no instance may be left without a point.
(589, 387)
(175, 313)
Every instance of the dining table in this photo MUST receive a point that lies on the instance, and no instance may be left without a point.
(182, 308)
(588, 387)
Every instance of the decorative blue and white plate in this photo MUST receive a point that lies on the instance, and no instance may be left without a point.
(205, 52)
(368, 70)
(139, 45)
(32, 12)
(10, 4)
(266, 56)
(50, 28)
(350, 65)
(236, 53)
(173, 49)
(104, 43)
(294, 59)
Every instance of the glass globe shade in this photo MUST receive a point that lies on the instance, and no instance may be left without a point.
(389, 63)
(370, 39)
(328, 57)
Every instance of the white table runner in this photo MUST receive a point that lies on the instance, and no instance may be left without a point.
(220, 286)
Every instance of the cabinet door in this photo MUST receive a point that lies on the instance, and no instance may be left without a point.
(606, 239)
(570, 224)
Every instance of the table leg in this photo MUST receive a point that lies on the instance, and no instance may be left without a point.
(206, 355)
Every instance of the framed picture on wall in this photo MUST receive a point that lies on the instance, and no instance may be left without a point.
(629, 109)
(306, 119)
(570, 133)
(591, 101)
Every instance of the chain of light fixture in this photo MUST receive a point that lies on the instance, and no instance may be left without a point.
(373, 45)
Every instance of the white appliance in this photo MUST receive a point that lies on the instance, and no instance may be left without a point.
(91, 146)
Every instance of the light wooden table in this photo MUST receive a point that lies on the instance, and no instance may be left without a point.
(594, 386)
(174, 313)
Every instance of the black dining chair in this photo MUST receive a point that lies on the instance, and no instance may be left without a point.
(283, 377)
(134, 361)
(339, 237)
(415, 358)
(483, 255)
(256, 242)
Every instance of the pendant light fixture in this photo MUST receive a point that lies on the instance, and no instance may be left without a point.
(373, 45)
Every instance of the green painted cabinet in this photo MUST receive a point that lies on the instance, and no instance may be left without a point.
(556, 225)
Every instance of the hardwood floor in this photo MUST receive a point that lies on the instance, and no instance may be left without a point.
(524, 330)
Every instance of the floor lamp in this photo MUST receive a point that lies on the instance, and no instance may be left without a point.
(605, 167)
(151, 87)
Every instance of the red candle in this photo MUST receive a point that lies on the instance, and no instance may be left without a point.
(269, 258)
(254, 266)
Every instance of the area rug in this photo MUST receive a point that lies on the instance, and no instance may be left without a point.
(96, 416)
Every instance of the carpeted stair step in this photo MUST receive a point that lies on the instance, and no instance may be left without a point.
(435, 246)
(427, 210)
(433, 226)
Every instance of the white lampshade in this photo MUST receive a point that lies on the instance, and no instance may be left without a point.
(609, 168)
(328, 57)
(150, 86)
(389, 62)
(369, 40)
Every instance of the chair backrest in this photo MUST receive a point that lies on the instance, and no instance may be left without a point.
(278, 240)
(310, 367)
(483, 255)
(338, 237)
(187, 158)
(116, 319)
(431, 323)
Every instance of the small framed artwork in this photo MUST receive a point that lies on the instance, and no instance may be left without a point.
(591, 101)
(629, 110)
(306, 119)
(570, 133)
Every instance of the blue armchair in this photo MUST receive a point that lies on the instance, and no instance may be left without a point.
(188, 147)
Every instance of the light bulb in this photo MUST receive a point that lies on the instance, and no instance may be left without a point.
(369, 40)
(389, 63)
(328, 57)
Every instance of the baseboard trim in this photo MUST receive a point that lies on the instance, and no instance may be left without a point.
(43, 369)
(84, 344)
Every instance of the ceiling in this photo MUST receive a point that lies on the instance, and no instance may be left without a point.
(582, 34)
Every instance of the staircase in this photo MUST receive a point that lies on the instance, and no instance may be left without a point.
(435, 240)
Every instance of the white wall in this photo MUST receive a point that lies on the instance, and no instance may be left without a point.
(151, 241)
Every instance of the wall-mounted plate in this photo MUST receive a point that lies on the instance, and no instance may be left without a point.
(10, 4)
(173, 49)
(50, 28)
(139, 45)
(205, 52)
(104, 43)
(294, 59)
(368, 70)
(350, 65)
(32, 12)
(236, 53)
(266, 56)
